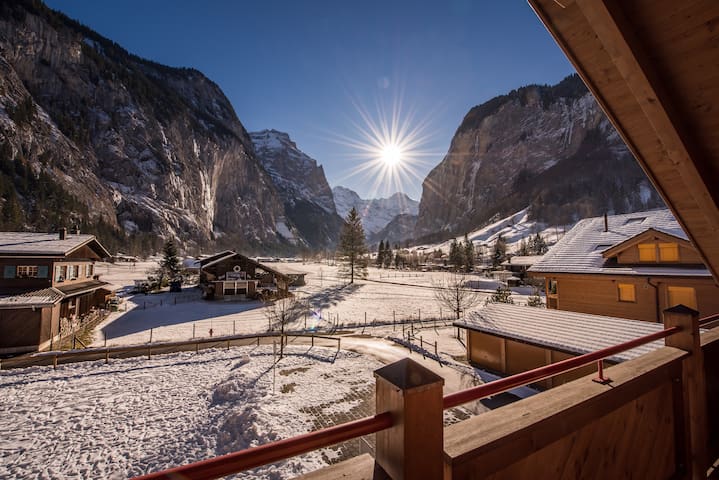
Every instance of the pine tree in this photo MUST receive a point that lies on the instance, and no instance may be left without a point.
(380, 254)
(539, 245)
(499, 253)
(456, 255)
(170, 263)
(387, 255)
(352, 247)
(468, 254)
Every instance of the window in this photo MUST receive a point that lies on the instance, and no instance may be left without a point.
(682, 295)
(60, 273)
(627, 292)
(9, 271)
(647, 252)
(27, 271)
(89, 269)
(669, 252)
(42, 271)
(74, 270)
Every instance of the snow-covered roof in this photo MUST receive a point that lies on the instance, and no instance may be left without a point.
(28, 243)
(36, 298)
(580, 250)
(571, 332)
(523, 260)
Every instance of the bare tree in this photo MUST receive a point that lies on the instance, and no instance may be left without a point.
(282, 312)
(450, 292)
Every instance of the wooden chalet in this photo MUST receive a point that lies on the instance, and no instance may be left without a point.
(631, 266)
(510, 339)
(48, 282)
(230, 275)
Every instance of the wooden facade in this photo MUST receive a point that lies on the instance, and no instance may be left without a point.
(638, 278)
(232, 275)
(600, 295)
(47, 282)
(506, 356)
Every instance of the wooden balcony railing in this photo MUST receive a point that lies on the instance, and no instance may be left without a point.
(410, 432)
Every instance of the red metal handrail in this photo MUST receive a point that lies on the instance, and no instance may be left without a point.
(531, 376)
(224, 465)
(709, 319)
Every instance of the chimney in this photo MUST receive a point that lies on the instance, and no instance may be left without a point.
(63, 233)
(606, 222)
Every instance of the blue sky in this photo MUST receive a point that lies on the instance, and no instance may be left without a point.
(310, 67)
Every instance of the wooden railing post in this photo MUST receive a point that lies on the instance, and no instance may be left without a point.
(413, 447)
(694, 386)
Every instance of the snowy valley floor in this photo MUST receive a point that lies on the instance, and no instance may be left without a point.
(128, 417)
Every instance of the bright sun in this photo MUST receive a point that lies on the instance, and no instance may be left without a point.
(391, 155)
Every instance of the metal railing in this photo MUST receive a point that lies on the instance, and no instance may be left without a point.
(272, 452)
(706, 321)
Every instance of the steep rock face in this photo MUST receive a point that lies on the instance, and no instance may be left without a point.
(401, 228)
(548, 147)
(375, 213)
(303, 187)
(144, 147)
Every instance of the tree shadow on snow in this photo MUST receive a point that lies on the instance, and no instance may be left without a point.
(141, 320)
(332, 296)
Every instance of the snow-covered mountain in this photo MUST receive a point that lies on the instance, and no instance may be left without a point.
(303, 188)
(375, 213)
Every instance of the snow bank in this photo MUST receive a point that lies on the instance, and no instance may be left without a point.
(129, 417)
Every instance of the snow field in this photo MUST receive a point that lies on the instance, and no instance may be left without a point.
(385, 296)
(129, 417)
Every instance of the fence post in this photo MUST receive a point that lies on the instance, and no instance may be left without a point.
(413, 446)
(54, 362)
(151, 335)
(107, 355)
(193, 330)
(693, 386)
(234, 332)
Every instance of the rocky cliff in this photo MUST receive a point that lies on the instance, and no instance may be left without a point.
(135, 149)
(303, 188)
(550, 147)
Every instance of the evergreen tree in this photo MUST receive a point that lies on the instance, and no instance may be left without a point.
(538, 245)
(352, 247)
(468, 254)
(456, 255)
(387, 255)
(501, 295)
(499, 253)
(170, 263)
(380, 254)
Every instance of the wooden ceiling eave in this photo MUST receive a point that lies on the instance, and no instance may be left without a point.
(602, 46)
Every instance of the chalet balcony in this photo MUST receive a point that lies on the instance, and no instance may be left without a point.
(644, 418)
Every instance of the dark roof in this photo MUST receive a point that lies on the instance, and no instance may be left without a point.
(83, 287)
(36, 298)
(49, 244)
(230, 254)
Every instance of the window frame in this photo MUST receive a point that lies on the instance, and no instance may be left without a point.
(672, 246)
(622, 287)
(695, 304)
(645, 247)
(25, 271)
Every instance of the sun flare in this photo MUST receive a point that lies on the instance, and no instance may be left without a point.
(389, 147)
(391, 155)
